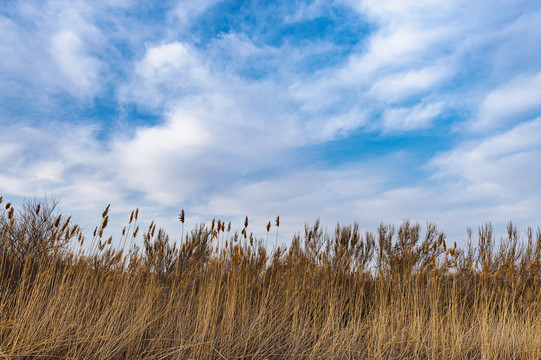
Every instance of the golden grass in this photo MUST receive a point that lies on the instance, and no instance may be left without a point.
(399, 294)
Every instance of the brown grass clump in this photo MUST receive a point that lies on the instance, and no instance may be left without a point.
(394, 294)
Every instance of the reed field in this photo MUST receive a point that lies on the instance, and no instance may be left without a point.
(394, 293)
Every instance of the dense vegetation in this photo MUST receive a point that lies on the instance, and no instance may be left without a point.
(394, 294)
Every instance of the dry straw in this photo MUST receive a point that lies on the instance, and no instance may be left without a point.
(341, 295)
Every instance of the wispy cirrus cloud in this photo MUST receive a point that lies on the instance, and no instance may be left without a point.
(51, 48)
(421, 49)
(509, 102)
(502, 162)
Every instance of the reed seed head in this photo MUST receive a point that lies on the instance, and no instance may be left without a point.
(66, 224)
(181, 216)
(105, 222)
(106, 211)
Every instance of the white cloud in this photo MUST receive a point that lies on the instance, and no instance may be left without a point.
(245, 116)
(240, 46)
(401, 86)
(51, 47)
(408, 32)
(306, 11)
(410, 53)
(501, 168)
(333, 126)
(187, 11)
(158, 161)
(459, 51)
(394, 48)
(48, 171)
(411, 118)
(508, 102)
(388, 10)
(82, 71)
(7, 150)
(167, 72)
(47, 158)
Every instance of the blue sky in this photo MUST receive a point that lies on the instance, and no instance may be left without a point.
(373, 111)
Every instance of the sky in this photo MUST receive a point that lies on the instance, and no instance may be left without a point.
(370, 111)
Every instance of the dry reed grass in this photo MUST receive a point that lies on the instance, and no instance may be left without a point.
(401, 294)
